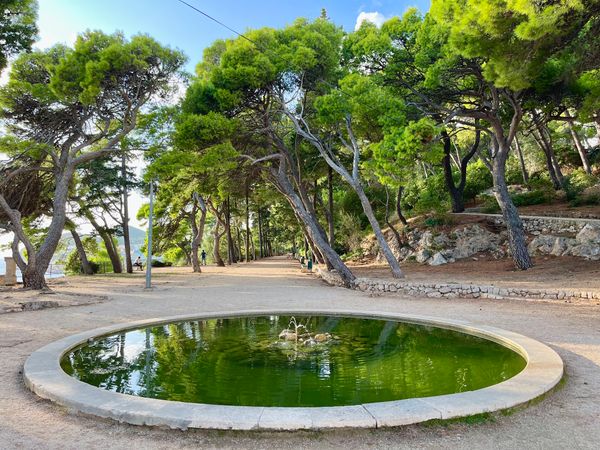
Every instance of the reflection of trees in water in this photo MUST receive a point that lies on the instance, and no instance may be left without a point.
(233, 359)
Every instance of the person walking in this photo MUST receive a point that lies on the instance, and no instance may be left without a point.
(203, 255)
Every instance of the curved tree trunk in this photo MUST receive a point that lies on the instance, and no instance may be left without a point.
(85, 264)
(399, 205)
(580, 149)
(125, 200)
(456, 192)
(216, 251)
(524, 173)
(387, 219)
(197, 231)
(285, 187)
(516, 234)
(383, 244)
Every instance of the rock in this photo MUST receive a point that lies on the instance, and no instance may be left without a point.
(422, 255)
(474, 239)
(426, 240)
(541, 244)
(437, 260)
(589, 234)
(587, 251)
(562, 246)
(441, 240)
(322, 337)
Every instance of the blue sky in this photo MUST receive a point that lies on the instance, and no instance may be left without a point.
(175, 24)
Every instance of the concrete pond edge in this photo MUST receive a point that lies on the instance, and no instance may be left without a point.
(43, 375)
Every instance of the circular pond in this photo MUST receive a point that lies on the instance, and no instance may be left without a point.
(372, 369)
(291, 361)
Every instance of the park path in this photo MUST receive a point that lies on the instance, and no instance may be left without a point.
(570, 418)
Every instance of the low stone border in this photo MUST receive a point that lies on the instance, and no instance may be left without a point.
(44, 376)
(455, 290)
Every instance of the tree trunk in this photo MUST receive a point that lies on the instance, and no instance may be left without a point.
(85, 264)
(383, 245)
(546, 145)
(330, 216)
(197, 231)
(524, 173)
(309, 221)
(456, 198)
(247, 225)
(39, 261)
(260, 235)
(516, 234)
(126, 238)
(387, 219)
(230, 251)
(216, 250)
(399, 206)
(112, 251)
(580, 149)
(456, 192)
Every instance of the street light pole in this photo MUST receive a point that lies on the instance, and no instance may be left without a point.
(149, 253)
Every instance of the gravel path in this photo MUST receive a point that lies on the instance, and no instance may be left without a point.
(568, 419)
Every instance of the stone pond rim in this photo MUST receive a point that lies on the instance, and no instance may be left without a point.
(44, 376)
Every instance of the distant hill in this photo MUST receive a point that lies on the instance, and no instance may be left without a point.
(137, 238)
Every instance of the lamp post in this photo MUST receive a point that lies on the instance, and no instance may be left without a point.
(149, 253)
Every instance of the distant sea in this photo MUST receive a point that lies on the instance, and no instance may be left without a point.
(54, 271)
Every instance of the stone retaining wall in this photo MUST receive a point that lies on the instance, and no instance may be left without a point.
(546, 225)
(455, 290)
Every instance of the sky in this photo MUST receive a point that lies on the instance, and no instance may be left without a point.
(174, 24)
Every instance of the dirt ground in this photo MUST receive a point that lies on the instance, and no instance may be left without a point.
(549, 272)
(567, 419)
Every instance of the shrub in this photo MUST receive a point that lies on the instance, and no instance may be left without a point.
(479, 179)
(73, 264)
(537, 197)
(158, 263)
(438, 220)
(577, 181)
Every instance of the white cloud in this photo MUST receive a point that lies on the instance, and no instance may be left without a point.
(374, 17)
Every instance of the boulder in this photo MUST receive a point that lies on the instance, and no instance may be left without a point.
(437, 260)
(589, 234)
(474, 239)
(562, 246)
(587, 251)
(541, 244)
(422, 255)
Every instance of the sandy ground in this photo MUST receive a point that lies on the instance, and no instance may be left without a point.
(568, 419)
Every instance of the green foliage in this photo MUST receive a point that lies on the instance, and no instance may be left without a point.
(534, 32)
(426, 195)
(538, 197)
(577, 181)
(349, 203)
(17, 28)
(479, 179)
(159, 263)
(349, 234)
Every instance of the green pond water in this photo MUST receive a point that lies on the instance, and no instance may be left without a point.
(333, 361)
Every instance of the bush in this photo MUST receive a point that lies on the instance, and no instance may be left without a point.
(73, 264)
(577, 181)
(426, 195)
(538, 197)
(158, 263)
(438, 220)
(479, 179)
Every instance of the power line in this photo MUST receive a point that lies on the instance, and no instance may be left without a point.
(218, 22)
